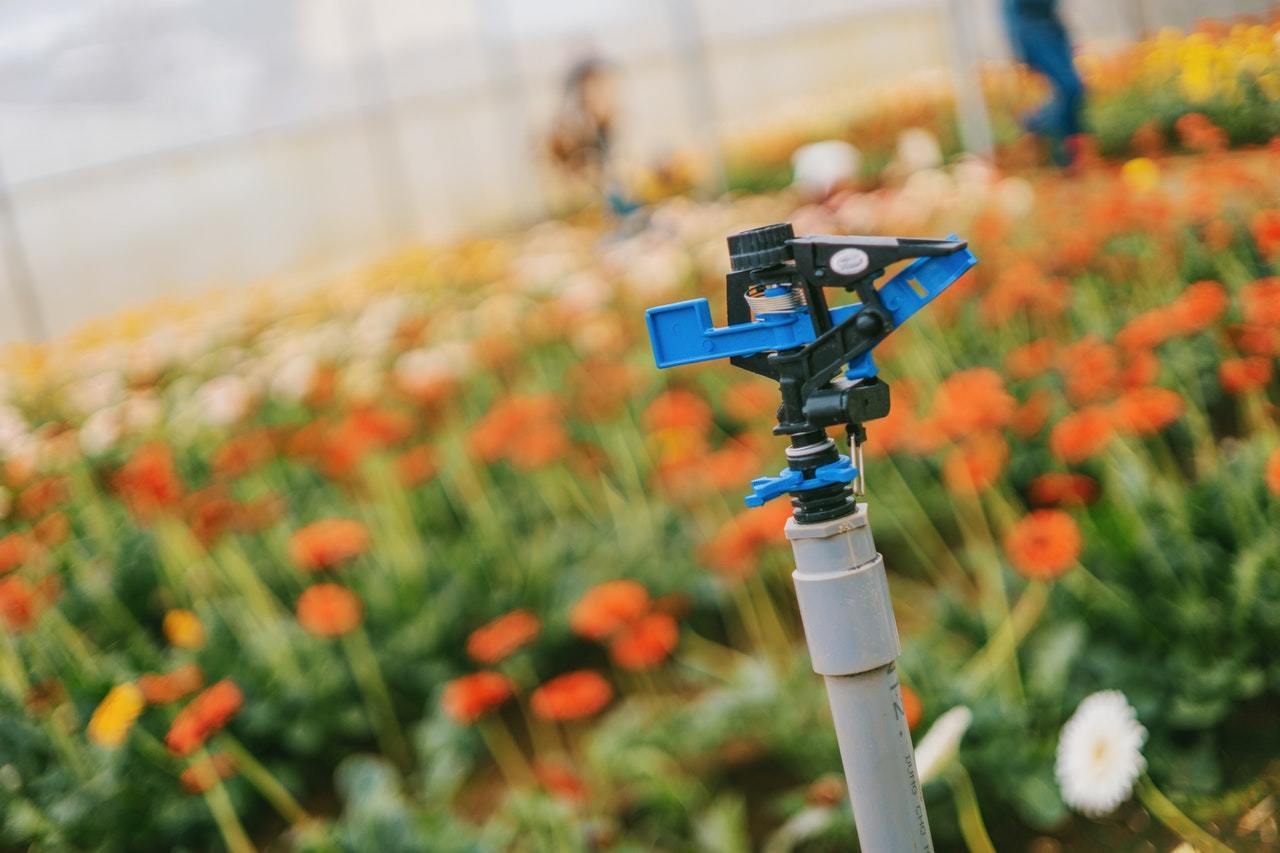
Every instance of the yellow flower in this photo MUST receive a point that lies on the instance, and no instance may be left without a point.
(183, 629)
(1141, 174)
(115, 715)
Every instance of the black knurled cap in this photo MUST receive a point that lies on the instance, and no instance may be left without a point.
(760, 247)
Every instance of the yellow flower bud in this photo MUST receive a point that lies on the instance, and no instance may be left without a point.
(115, 715)
(183, 629)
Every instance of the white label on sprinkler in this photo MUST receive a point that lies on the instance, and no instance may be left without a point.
(849, 261)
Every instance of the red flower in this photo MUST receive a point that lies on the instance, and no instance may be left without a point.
(1272, 475)
(560, 781)
(204, 716)
(416, 466)
(677, 409)
(1266, 231)
(1260, 302)
(1044, 544)
(329, 610)
(1029, 418)
(327, 543)
(607, 608)
(1030, 360)
(646, 643)
(243, 453)
(1198, 307)
(502, 637)
(469, 697)
(1239, 375)
(21, 603)
(148, 483)
(1091, 369)
(733, 551)
(912, 707)
(525, 430)
(971, 401)
(571, 696)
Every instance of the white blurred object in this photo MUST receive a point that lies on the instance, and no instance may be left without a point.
(224, 400)
(940, 744)
(918, 149)
(820, 167)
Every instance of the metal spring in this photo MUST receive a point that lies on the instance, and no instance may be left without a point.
(759, 303)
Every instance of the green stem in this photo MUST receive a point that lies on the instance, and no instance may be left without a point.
(267, 784)
(224, 813)
(972, 827)
(377, 698)
(1172, 817)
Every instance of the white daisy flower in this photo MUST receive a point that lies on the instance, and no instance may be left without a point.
(1100, 754)
(941, 743)
(224, 400)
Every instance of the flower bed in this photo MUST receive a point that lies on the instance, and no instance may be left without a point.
(434, 558)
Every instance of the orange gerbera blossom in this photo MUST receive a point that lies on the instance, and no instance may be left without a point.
(417, 465)
(502, 637)
(243, 453)
(1081, 434)
(42, 496)
(750, 400)
(329, 610)
(1272, 475)
(15, 549)
(677, 409)
(734, 549)
(971, 401)
(1146, 411)
(645, 643)
(560, 781)
(1090, 369)
(1198, 307)
(1063, 489)
(1148, 330)
(976, 464)
(205, 772)
(163, 688)
(1239, 375)
(524, 429)
(912, 707)
(1260, 302)
(148, 483)
(469, 697)
(607, 608)
(1031, 359)
(21, 603)
(1265, 227)
(1257, 340)
(571, 696)
(327, 543)
(183, 629)
(1044, 544)
(1141, 368)
(1030, 416)
(52, 530)
(205, 715)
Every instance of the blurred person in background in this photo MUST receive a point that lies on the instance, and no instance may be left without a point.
(1040, 40)
(582, 134)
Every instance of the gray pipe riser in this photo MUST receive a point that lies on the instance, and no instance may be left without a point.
(879, 762)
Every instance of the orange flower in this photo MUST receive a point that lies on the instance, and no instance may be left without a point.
(42, 496)
(14, 551)
(183, 629)
(1062, 489)
(241, 454)
(912, 707)
(416, 465)
(1081, 434)
(571, 696)
(733, 551)
(327, 543)
(971, 401)
(677, 409)
(525, 430)
(1198, 307)
(1273, 472)
(148, 483)
(750, 400)
(329, 610)
(1031, 359)
(560, 781)
(1029, 418)
(1090, 369)
(1146, 411)
(1260, 302)
(161, 689)
(1141, 368)
(1044, 544)
(502, 637)
(975, 465)
(52, 530)
(204, 716)
(1148, 330)
(607, 608)
(1239, 375)
(205, 772)
(210, 513)
(1265, 228)
(1257, 340)
(645, 643)
(21, 603)
(469, 697)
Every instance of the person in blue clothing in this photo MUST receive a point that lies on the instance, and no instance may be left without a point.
(1041, 41)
